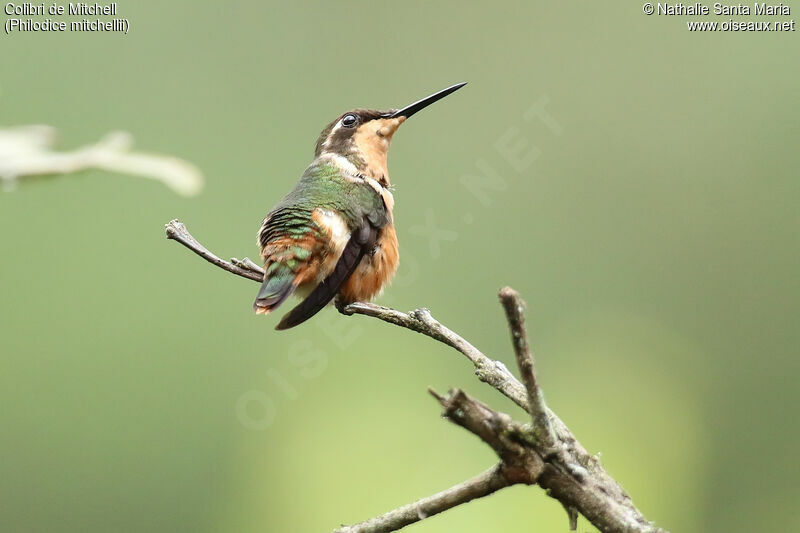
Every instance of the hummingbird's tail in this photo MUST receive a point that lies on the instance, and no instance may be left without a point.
(276, 288)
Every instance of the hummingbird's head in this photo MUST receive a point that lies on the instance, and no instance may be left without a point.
(362, 136)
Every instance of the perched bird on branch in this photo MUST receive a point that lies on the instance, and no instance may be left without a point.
(333, 236)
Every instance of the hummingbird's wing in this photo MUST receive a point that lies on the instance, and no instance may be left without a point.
(359, 244)
(291, 244)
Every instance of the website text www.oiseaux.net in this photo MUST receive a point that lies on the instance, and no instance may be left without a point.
(741, 25)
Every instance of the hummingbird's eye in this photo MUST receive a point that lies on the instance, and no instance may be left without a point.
(349, 120)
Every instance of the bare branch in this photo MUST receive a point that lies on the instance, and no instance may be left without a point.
(28, 151)
(481, 485)
(594, 494)
(544, 453)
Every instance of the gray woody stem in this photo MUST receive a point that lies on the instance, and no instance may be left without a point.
(545, 452)
(514, 307)
(481, 485)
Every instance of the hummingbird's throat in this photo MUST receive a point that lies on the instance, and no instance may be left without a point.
(371, 142)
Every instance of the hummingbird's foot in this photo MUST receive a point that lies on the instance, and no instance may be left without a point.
(349, 308)
(341, 306)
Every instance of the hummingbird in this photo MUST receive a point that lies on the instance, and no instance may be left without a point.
(333, 235)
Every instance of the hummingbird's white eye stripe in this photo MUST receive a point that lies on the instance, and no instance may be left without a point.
(327, 143)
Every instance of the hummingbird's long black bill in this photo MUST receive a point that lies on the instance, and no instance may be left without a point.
(425, 102)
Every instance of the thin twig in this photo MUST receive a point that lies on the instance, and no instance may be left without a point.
(177, 232)
(514, 307)
(541, 428)
(564, 469)
(481, 485)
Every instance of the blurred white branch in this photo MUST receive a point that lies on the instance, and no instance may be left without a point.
(544, 452)
(27, 151)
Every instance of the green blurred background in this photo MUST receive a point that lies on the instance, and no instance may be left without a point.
(652, 227)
